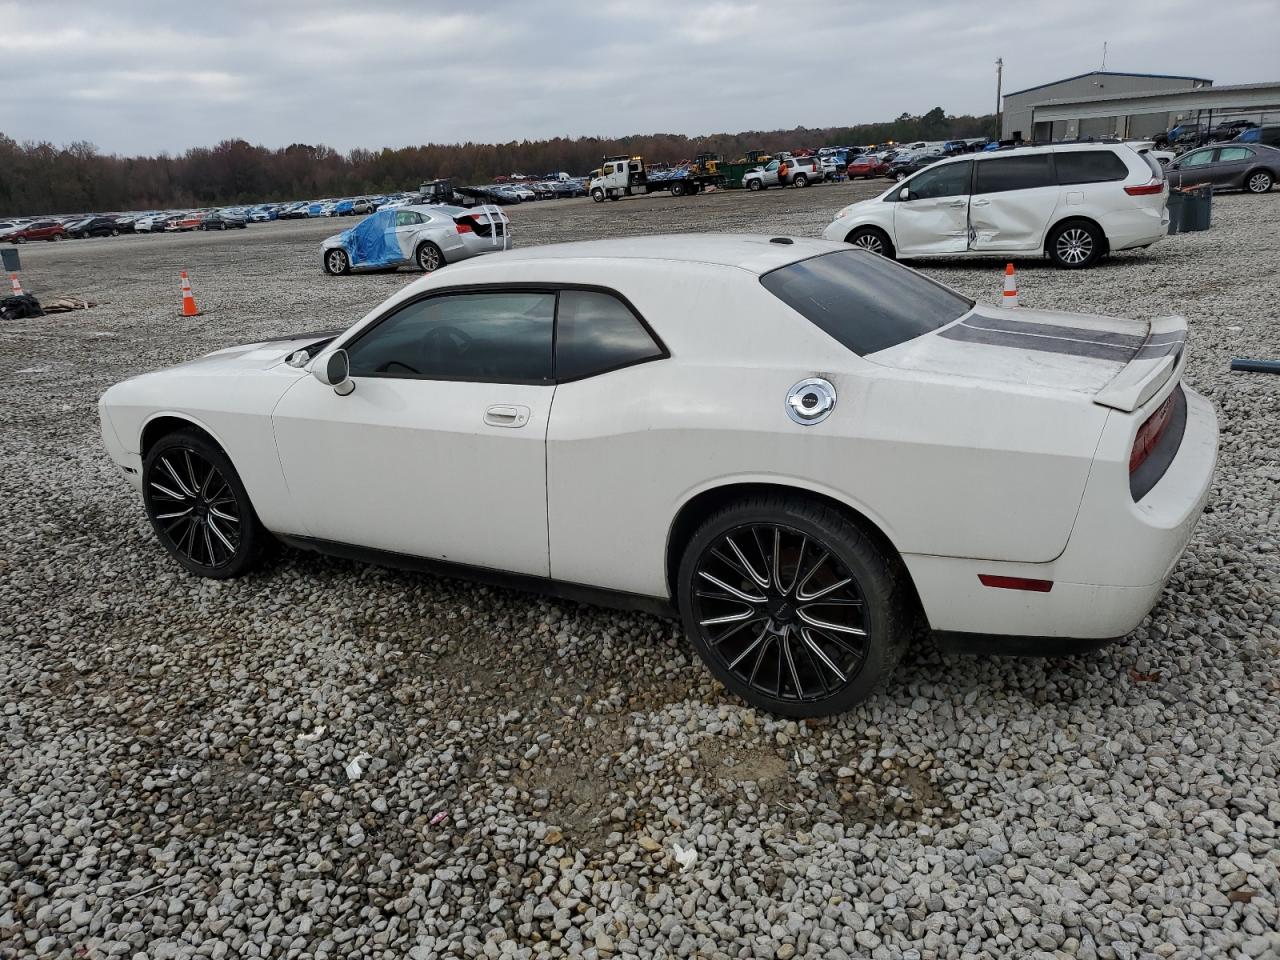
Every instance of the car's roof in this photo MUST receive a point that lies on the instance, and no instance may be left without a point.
(752, 252)
(448, 210)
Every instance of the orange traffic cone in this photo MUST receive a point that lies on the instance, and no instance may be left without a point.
(13, 283)
(189, 308)
(1010, 298)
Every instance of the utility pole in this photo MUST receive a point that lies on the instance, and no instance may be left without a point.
(999, 76)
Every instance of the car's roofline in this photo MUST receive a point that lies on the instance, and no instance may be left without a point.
(754, 253)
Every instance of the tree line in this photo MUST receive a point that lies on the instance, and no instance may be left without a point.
(40, 178)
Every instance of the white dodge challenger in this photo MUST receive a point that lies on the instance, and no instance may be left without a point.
(809, 451)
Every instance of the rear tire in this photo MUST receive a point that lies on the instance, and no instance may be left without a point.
(1075, 245)
(336, 262)
(1259, 181)
(800, 180)
(826, 615)
(429, 258)
(872, 239)
(198, 507)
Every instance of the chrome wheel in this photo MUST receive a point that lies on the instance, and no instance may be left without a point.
(336, 261)
(1074, 246)
(780, 612)
(429, 258)
(1260, 182)
(869, 241)
(194, 508)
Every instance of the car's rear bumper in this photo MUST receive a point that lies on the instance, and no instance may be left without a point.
(1116, 561)
(1135, 226)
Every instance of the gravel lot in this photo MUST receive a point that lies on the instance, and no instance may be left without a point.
(175, 753)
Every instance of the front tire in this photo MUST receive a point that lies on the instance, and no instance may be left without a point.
(792, 607)
(873, 240)
(429, 257)
(1075, 245)
(337, 263)
(754, 185)
(1259, 181)
(198, 507)
(597, 195)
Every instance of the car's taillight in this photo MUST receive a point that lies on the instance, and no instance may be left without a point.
(1150, 188)
(464, 226)
(1149, 434)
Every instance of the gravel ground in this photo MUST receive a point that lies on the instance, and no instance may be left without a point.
(533, 773)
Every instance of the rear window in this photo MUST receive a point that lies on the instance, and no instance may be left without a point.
(864, 301)
(1014, 173)
(1089, 166)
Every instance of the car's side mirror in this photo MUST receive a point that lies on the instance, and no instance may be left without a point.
(904, 193)
(335, 372)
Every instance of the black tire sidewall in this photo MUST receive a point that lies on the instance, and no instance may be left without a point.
(1248, 181)
(875, 577)
(346, 263)
(253, 535)
(887, 252)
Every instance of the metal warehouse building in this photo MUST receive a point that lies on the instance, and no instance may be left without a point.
(1022, 116)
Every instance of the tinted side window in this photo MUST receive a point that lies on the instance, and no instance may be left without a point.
(1014, 173)
(595, 333)
(1089, 166)
(1197, 158)
(492, 337)
(865, 301)
(949, 180)
(1234, 153)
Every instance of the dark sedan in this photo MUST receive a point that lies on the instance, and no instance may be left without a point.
(93, 227)
(902, 169)
(39, 230)
(222, 220)
(1227, 166)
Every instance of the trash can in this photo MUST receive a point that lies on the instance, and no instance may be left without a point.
(1190, 208)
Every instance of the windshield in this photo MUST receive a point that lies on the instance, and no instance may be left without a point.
(865, 301)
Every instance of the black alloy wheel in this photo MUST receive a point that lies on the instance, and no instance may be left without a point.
(792, 607)
(199, 508)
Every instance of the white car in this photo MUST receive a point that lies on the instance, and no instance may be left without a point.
(809, 451)
(427, 236)
(1072, 203)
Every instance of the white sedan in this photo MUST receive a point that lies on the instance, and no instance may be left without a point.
(806, 450)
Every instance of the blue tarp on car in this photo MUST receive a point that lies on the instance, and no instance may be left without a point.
(372, 241)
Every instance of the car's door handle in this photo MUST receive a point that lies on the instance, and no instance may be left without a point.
(980, 203)
(506, 415)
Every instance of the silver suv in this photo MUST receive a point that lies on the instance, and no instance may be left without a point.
(796, 171)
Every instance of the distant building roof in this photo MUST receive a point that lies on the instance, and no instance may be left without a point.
(1109, 73)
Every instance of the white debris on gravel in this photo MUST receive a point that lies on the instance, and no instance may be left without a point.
(528, 768)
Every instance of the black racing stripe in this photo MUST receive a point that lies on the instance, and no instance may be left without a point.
(1156, 350)
(1030, 341)
(1111, 338)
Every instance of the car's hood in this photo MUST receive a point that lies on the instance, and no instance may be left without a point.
(262, 355)
(1107, 360)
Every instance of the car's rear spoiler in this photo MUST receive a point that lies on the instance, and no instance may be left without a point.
(1151, 367)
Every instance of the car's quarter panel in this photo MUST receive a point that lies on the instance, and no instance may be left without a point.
(942, 465)
(414, 467)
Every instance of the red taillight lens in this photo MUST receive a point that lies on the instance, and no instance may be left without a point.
(1149, 434)
(464, 226)
(1148, 189)
(1015, 583)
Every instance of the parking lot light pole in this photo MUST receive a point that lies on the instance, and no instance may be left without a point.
(999, 74)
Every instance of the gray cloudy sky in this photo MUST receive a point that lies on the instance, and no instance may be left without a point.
(141, 76)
